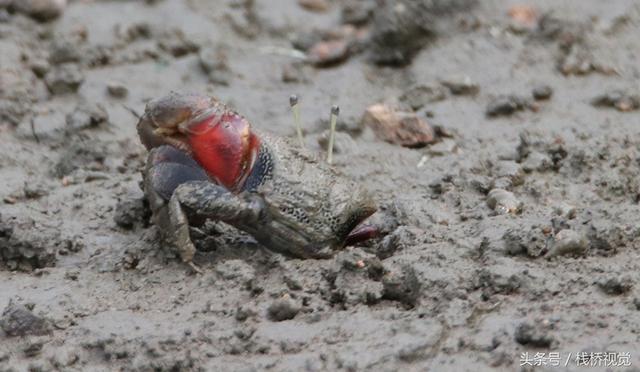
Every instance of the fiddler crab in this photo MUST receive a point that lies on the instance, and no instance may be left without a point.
(206, 162)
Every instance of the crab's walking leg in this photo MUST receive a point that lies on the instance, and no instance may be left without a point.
(206, 199)
(166, 169)
(179, 192)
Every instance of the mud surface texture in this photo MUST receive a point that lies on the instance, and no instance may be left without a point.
(513, 227)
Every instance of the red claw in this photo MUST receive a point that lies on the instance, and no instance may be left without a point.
(226, 148)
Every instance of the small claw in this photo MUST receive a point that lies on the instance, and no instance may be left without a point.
(362, 233)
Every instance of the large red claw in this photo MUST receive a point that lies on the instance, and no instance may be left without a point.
(225, 147)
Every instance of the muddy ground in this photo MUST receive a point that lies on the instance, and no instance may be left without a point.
(516, 232)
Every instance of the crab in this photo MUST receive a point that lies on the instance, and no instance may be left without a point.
(205, 162)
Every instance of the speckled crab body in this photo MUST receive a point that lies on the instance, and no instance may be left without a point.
(205, 162)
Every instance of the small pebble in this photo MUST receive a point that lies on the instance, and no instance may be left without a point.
(503, 201)
(461, 86)
(327, 53)
(117, 89)
(357, 12)
(617, 99)
(510, 170)
(64, 79)
(314, 5)
(402, 285)
(41, 10)
(282, 309)
(542, 92)
(40, 67)
(568, 242)
(420, 95)
(532, 334)
(18, 320)
(293, 73)
(64, 51)
(537, 161)
(616, 286)
(445, 147)
(86, 115)
(506, 105)
(398, 127)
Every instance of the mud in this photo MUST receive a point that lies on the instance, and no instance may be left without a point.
(464, 278)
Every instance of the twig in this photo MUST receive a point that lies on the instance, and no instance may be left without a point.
(33, 130)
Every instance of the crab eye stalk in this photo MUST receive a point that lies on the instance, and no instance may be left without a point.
(335, 111)
(293, 102)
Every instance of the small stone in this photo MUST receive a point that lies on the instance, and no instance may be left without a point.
(131, 212)
(357, 12)
(496, 283)
(64, 51)
(537, 161)
(25, 248)
(542, 92)
(565, 210)
(444, 147)
(293, 73)
(33, 348)
(533, 335)
(243, 313)
(402, 285)
(72, 274)
(64, 357)
(503, 201)
(400, 29)
(399, 239)
(617, 99)
(117, 89)
(18, 320)
(64, 79)
(282, 309)
(86, 115)
(616, 286)
(41, 10)
(398, 127)
(577, 61)
(506, 105)
(524, 16)
(35, 190)
(236, 270)
(510, 170)
(420, 95)
(176, 43)
(40, 67)
(568, 242)
(328, 53)
(314, 5)
(461, 86)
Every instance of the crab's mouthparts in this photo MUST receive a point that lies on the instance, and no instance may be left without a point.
(224, 145)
